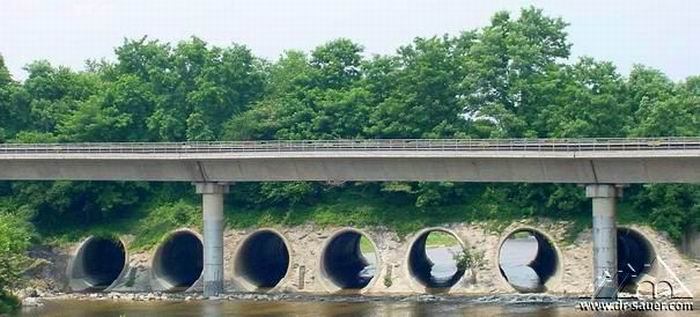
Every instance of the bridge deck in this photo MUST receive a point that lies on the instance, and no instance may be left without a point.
(452, 145)
(647, 160)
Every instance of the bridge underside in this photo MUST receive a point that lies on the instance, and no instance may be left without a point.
(459, 169)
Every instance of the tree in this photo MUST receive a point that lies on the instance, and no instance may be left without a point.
(510, 79)
(336, 64)
(14, 240)
(229, 82)
(588, 100)
(672, 208)
(91, 122)
(317, 98)
(152, 63)
(508, 67)
(423, 99)
(5, 107)
(197, 128)
(55, 93)
(663, 108)
(5, 77)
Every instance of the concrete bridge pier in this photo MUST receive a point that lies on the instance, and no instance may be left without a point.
(213, 212)
(604, 198)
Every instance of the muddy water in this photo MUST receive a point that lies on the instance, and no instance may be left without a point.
(313, 309)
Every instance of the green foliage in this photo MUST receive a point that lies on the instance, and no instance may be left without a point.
(509, 79)
(468, 259)
(359, 207)
(388, 281)
(670, 207)
(286, 194)
(79, 203)
(163, 219)
(15, 237)
(8, 302)
(510, 68)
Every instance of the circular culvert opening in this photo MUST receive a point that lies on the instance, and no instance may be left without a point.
(528, 260)
(177, 263)
(349, 260)
(97, 264)
(431, 259)
(635, 257)
(262, 259)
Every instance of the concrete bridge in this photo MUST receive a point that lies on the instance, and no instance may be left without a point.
(604, 166)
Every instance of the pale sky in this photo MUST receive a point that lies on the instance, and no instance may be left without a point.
(661, 34)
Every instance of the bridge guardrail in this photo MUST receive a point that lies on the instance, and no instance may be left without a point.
(538, 145)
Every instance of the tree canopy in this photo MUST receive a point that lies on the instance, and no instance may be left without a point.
(510, 79)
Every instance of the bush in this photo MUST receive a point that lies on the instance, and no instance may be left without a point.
(467, 259)
(165, 218)
(388, 281)
(8, 302)
(15, 235)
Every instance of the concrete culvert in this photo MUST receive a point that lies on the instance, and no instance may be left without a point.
(97, 264)
(262, 259)
(635, 257)
(178, 262)
(528, 260)
(345, 263)
(431, 259)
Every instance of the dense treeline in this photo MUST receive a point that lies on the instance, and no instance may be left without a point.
(511, 79)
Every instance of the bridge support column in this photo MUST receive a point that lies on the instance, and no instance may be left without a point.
(604, 198)
(213, 212)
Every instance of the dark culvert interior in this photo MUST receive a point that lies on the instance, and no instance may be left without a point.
(344, 262)
(178, 261)
(635, 257)
(435, 267)
(100, 262)
(528, 260)
(263, 259)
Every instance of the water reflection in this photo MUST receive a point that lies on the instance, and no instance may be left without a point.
(431, 259)
(528, 260)
(516, 255)
(371, 268)
(444, 265)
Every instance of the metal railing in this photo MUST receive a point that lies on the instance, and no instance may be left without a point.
(540, 145)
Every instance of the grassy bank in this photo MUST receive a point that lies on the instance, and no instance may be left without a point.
(351, 207)
(348, 208)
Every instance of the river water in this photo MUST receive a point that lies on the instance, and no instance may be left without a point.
(315, 309)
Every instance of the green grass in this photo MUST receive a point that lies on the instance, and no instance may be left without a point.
(366, 246)
(349, 208)
(440, 239)
(435, 239)
(354, 208)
